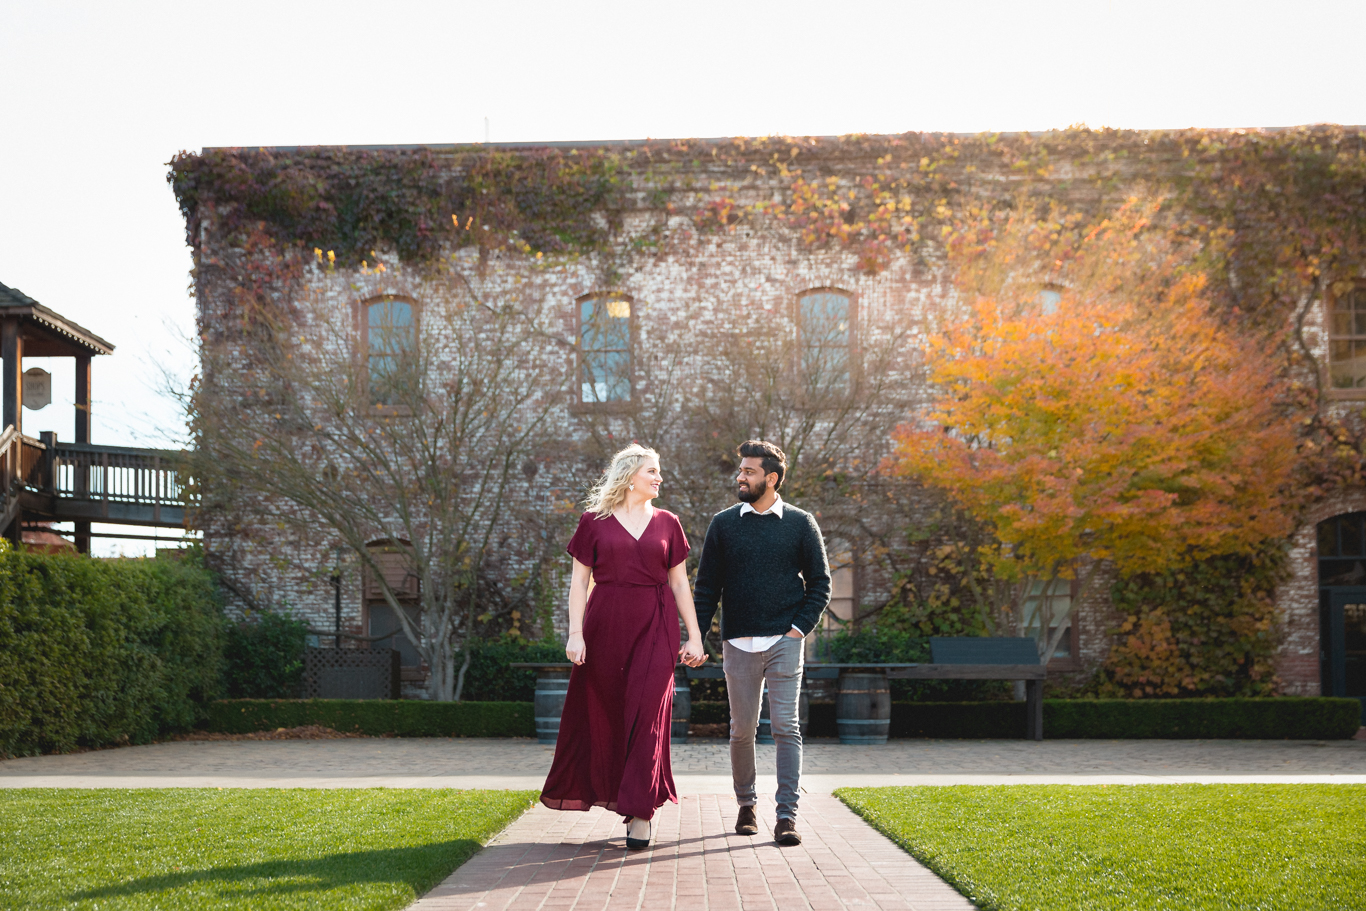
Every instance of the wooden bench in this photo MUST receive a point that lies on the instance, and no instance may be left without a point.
(988, 658)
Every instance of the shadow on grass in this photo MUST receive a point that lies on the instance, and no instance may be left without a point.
(419, 866)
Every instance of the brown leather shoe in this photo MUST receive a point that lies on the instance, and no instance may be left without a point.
(747, 823)
(785, 832)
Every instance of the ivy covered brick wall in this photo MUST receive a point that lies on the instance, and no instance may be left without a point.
(712, 241)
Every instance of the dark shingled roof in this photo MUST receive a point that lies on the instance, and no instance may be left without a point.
(12, 299)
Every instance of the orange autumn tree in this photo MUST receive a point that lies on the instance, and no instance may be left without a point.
(1091, 405)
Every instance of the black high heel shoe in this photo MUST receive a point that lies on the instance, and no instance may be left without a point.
(640, 844)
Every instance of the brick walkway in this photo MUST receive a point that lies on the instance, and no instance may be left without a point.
(549, 861)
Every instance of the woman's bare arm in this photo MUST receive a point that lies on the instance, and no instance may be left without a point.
(692, 653)
(574, 649)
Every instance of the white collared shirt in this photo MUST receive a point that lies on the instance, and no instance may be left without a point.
(760, 643)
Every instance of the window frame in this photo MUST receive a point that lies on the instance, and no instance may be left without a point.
(1330, 300)
(852, 347)
(363, 347)
(578, 404)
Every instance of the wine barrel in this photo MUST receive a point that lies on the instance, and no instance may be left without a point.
(765, 732)
(682, 716)
(863, 708)
(551, 685)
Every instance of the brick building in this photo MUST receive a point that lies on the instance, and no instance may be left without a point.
(675, 294)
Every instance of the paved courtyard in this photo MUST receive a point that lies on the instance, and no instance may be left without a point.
(548, 861)
(700, 767)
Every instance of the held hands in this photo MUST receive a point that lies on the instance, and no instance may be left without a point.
(574, 650)
(692, 653)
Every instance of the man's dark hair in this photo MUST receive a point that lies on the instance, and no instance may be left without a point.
(774, 462)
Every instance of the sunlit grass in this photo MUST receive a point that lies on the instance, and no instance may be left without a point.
(210, 848)
(1134, 848)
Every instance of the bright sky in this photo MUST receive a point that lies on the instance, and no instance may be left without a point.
(96, 97)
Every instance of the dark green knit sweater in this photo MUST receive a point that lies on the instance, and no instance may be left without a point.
(752, 562)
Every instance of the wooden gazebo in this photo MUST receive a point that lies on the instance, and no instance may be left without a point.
(71, 482)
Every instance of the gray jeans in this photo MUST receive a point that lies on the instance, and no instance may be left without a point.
(746, 673)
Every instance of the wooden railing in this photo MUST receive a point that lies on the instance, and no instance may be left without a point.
(66, 481)
(117, 474)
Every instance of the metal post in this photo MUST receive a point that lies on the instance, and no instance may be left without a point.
(1034, 710)
(336, 597)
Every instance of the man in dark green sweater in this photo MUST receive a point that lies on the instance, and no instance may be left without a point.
(766, 560)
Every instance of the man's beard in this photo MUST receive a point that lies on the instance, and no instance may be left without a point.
(753, 494)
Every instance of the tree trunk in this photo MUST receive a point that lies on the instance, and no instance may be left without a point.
(460, 679)
(441, 685)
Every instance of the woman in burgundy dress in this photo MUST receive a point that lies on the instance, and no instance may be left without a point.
(613, 746)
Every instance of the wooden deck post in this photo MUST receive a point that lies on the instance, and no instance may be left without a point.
(82, 529)
(12, 350)
(12, 353)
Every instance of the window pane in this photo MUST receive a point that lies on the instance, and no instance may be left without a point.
(1061, 604)
(605, 323)
(825, 337)
(1347, 364)
(390, 326)
(828, 366)
(606, 376)
(1349, 535)
(1328, 538)
(825, 319)
(1048, 301)
(1342, 323)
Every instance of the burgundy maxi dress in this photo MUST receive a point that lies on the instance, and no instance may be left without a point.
(613, 746)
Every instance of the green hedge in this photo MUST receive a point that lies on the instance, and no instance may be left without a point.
(1284, 718)
(489, 679)
(94, 652)
(400, 717)
(1281, 718)
(263, 658)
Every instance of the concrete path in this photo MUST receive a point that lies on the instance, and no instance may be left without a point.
(700, 767)
(548, 861)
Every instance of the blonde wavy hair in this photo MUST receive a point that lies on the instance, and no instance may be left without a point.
(610, 491)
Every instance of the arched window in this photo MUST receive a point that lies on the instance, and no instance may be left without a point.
(826, 323)
(390, 333)
(605, 348)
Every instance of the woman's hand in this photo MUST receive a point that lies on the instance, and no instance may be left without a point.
(693, 654)
(574, 650)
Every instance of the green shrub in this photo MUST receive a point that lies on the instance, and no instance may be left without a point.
(263, 657)
(376, 717)
(490, 679)
(94, 652)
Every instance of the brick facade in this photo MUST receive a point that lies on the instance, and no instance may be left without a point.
(691, 297)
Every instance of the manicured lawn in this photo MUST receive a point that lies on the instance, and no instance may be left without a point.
(1143, 847)
(209, 848)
